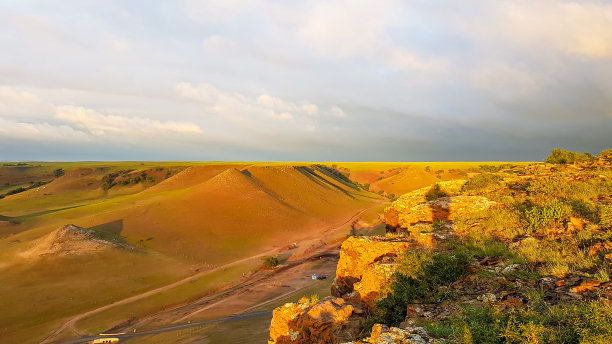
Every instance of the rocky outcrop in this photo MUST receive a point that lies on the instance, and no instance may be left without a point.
(332, 320)
(381, 334)
(69, 240)
(375, 282)
(414, 207)
(366, 267)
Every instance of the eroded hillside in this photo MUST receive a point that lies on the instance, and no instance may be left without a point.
(518, 255)
(137, 228)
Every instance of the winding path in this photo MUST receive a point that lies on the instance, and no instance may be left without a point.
(70, 324)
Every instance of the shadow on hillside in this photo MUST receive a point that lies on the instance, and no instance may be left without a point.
(310, 173)
(440, 213)
(113, 228)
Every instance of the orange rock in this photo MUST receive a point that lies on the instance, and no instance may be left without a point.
(413, 207)
(377, 330)
(577, 223)
(586, 285)
(381, 334)
(426, 239)
(359, 254)
(331, 320)
(374, 283)
(510, 302)
(593, 250)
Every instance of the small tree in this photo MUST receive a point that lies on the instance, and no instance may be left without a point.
(562, 156)
(271, 261)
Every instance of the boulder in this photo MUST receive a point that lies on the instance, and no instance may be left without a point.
(408, 201)
(359, 254)
(414, 208)
(375, 282)
(381, 334)
(332, 320)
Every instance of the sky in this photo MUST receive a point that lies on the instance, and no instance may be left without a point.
(308, 80)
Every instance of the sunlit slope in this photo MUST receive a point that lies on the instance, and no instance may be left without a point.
(402, 177)
(234, 213)
(410, 178)
(38, 293)
(198, 218)
(76, 186)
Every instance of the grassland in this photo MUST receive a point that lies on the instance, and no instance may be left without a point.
(185, 216)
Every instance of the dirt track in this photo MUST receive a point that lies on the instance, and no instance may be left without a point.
(70, 324)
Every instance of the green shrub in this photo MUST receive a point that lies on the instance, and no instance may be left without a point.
(434, 193)
(540, 217)
(270, 261)
(482, 181)
(421, 283)
(537, 323)
(585, 209)
(553, 186)
(562, 156)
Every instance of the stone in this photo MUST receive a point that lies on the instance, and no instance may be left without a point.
(360, 254)
(381, 334)
(413, 208)
(586, 285)
(331, 320)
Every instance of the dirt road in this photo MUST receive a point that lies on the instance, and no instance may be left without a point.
(70, 324)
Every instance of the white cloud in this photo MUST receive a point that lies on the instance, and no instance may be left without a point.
(239, 107)
(8, 94)
(114, 44)
(220, 43)
(13, 129)
(578, 28)
(346, 28)
(16, 103)
(336, 111)
(98, 124)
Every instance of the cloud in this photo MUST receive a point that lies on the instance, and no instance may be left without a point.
(8, 94)
(239, 107)
(347, 29)
(20, 130)
(337, 112)
(574, 27)
(98, 124)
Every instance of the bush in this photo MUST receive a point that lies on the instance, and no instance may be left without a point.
(58, 173)
(482, 181)
(271, 261)
(540, 217)
(434, 193)
(420, 284)
(561, 156)
(553, 186)
(16, 191)
(537, 323)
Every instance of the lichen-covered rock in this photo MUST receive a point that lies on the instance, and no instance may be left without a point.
(413, 207)
(416, 197)
(375, 281)
(381, 334)
(359, 254)
(332, 320)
